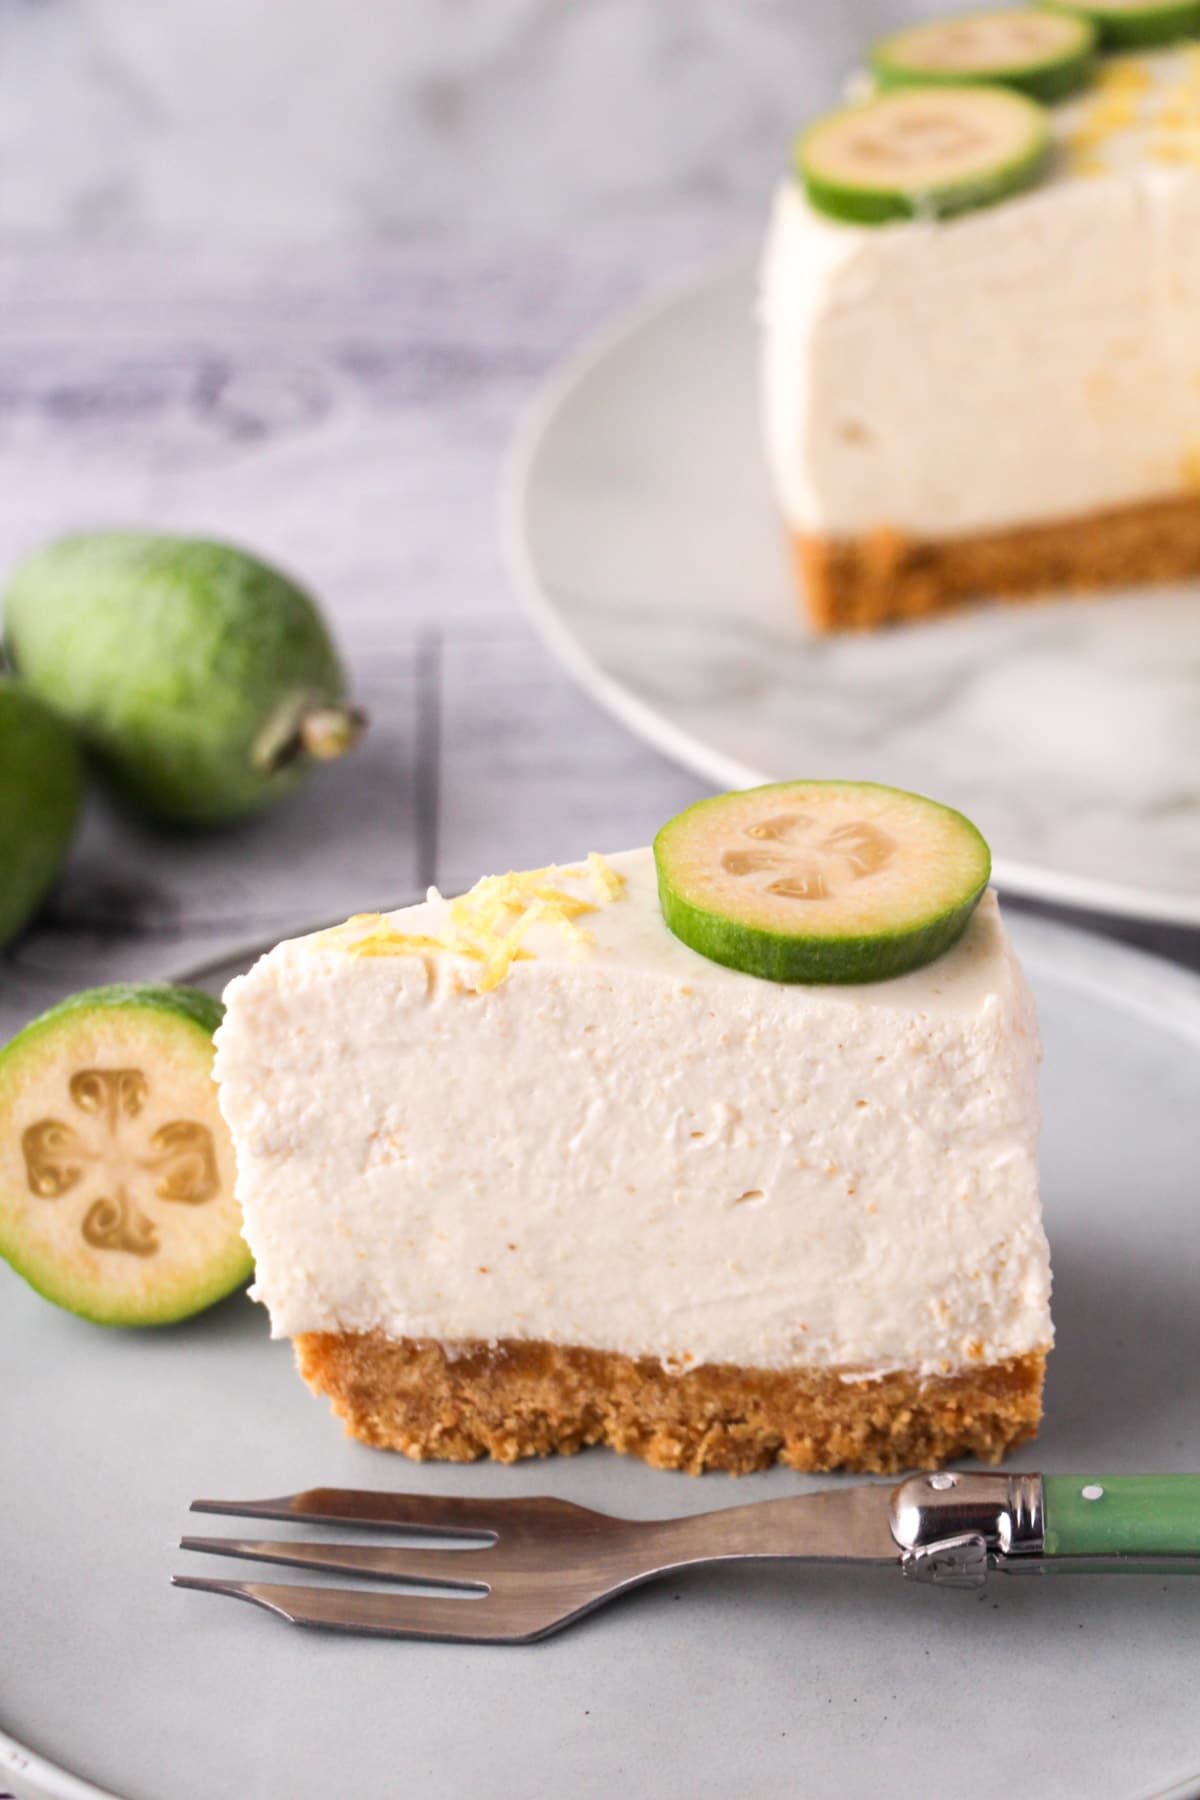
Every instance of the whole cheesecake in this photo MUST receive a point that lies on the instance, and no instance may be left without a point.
(1004, 398)
(526, 1171)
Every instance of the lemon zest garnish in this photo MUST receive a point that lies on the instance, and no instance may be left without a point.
(382, 939)
(610, 885)
(1175, 151)
(568, 904)
(1123, 75)
(488, 923)
(1115, 114)
(1181, 115)
(1127, 100)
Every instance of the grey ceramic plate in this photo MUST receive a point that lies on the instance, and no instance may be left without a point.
(639, 527)
(786, 1682)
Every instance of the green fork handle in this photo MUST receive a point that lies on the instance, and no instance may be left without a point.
(1122, 1516)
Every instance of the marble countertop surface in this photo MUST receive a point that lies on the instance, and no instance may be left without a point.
(321, 118)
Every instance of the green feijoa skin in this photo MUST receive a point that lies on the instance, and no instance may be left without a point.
(923, 153)
(41, 793)
(1046, 55)
(202, 681)
(1134, 24)
(820, 881)
(116, 1169)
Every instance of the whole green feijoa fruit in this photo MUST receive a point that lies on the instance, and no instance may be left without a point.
(203, 682)
(41, 791)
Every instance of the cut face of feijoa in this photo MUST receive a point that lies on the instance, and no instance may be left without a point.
(923, 152)
(1134, 24)
(820, 881)
(116, 1168)
(1043, 54)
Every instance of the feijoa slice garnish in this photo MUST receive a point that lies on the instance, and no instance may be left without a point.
(1134, 24)
(1043, 54)
(820, 881)
(923, 152)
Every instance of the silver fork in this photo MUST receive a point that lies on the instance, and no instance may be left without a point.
(525, 1568)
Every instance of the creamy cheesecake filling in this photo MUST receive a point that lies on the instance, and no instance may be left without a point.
(1032, 361)
(624, 1146)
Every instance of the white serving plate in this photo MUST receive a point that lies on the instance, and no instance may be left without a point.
(639, 527)
(775, 1681)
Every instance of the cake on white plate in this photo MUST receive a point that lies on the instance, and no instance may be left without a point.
(980, 315)
(717, 1153)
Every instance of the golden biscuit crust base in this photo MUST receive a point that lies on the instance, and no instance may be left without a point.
(518, 1398)
(887, 576)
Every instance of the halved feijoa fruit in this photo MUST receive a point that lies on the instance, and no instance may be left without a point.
(923, 152)
(1043, 54)
(1134, 24)
(116, 1168)
(820, 881)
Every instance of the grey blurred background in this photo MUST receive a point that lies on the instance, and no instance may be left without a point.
(289, 121)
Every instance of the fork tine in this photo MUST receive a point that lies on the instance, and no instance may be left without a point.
(445, 1515)
(429, 1568)
(380, 1615)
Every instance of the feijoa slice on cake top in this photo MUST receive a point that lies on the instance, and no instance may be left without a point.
(820, 881)
(116, 1169)
(1134, 24)
(1040, 53)
(923, 152)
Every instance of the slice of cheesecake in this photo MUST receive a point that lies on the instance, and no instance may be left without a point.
(1006, 401)
(523, 1172)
